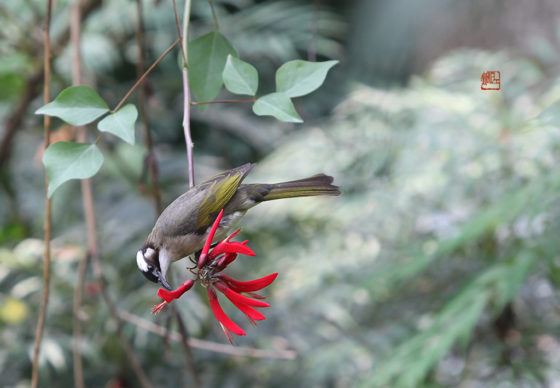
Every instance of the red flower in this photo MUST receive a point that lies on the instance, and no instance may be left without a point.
(208, 271)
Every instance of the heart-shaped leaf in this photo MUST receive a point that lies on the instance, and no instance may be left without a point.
(277, 105)
(207, 58)
(77, 105)
(298, 78)
(240, 77)
(68, 160)
(121, 123)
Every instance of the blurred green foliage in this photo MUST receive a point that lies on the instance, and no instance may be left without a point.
(438, 266)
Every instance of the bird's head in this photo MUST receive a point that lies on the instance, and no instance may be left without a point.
(148, 262)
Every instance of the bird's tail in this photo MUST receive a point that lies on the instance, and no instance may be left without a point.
(319, 184)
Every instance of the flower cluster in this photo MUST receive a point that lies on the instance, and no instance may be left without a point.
(208, 270)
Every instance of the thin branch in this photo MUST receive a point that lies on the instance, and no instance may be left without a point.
(75, 37)
(238, 351)
(223, 101)
(146, 74)
(178, 24)
(150, 159)
(186, 94)
(47, 251)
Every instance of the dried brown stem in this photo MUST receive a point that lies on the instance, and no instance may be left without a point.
(238, 351)
(47, 250)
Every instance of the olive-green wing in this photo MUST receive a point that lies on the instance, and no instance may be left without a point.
(218, 191)
(196, 210)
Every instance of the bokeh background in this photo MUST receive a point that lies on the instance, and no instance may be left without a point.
(437, 267)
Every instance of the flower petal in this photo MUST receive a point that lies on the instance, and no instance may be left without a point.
(168, 296)
(234, 296)
(220, 315)
(252, 285)
(231, 247)
(204, 254)
(252, 314)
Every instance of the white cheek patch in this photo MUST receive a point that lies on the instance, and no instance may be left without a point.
(141, 262)
(150, 253)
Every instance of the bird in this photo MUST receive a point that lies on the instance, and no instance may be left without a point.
(182, 227)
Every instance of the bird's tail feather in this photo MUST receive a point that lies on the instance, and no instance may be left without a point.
(320, 184)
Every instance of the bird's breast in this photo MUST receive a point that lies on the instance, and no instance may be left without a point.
(185, 245)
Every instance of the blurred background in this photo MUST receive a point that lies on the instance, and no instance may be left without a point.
(437, 267)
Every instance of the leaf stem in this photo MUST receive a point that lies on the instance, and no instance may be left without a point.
(223, 101)
(47, 247)
(214, 16)
(141, 79)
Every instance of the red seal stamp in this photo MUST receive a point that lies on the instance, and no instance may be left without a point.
(490, 80)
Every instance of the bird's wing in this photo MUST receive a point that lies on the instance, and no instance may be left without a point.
(183, 217)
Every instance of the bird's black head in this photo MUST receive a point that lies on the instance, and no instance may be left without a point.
(147, 260)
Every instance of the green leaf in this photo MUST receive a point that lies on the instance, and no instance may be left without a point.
(298, 78)
(240, 77)
(121, 123)
(207, 58)
(77, 105)
(277, 105)
(68, 160)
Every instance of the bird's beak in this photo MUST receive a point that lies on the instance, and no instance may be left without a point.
(162, 279)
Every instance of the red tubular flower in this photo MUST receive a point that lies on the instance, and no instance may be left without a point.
(234, 296)
(220, 315)
(208, 271)
(252, 285)
(251, 314)
(168, 296)
(231, 247)
(204, 254)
